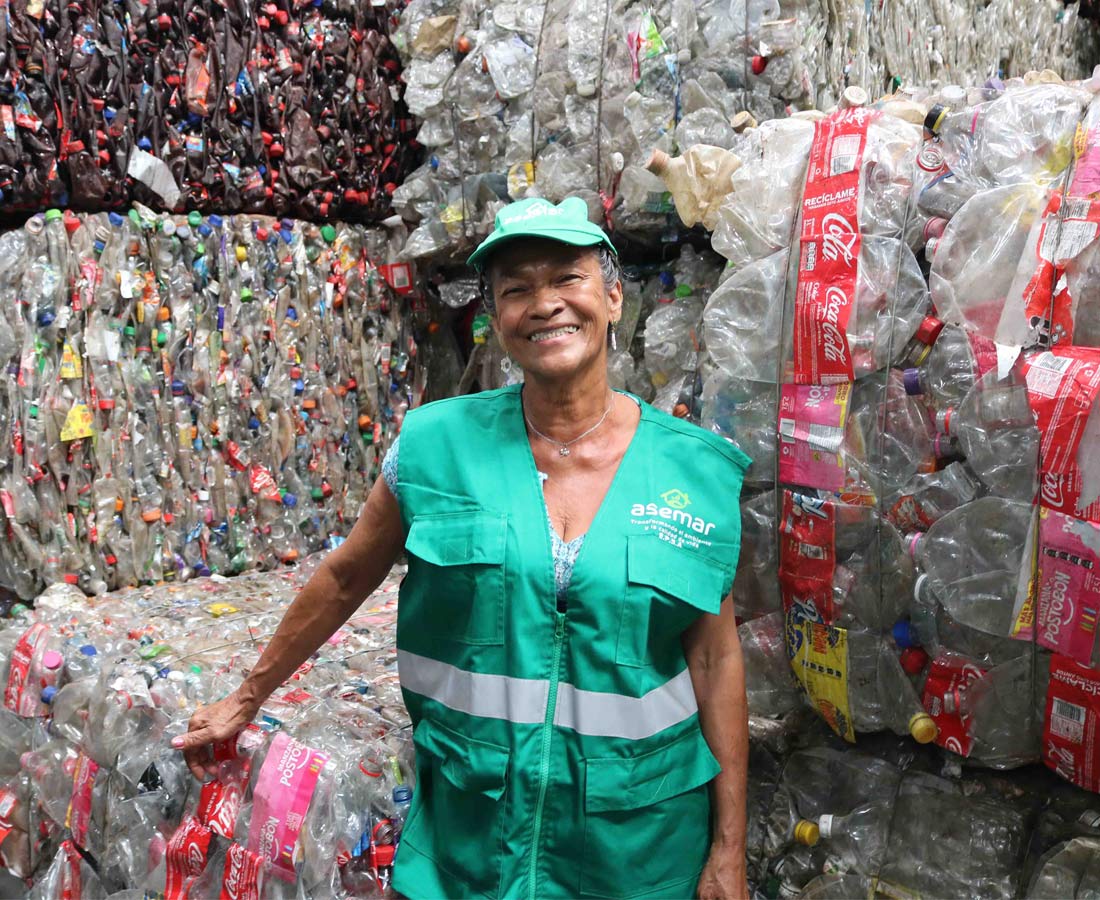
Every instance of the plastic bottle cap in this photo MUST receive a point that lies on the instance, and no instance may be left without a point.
(904, 635)
(290, 500)
(328, 233)
(215, 220)
(913, 660)
(48, 693)
(194, 218)
(929, 330)
(935, 117)
(89, 650)
(70, 578)
(150, 515)
(52, 215)
(807, 833)
(910, 378)
(246, 294)
(402, 794)
(242, 253)
(759, 64)
(922, 728)
(52, 660)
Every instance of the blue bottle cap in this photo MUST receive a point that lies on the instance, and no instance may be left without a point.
(108, 113)
(290, 500)
(287, 235)
(48, 693)
(205, 230)
(115, 219)
(292, 314)
(178, 387)
(666, 279)
(287, 224)
(145, 144)
(215, 220)
(45, 318)
(253, 423)
(402, 794)
(89, 650)
(904, 636)
(299, 386)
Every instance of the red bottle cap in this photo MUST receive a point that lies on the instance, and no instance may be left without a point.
(759, 64)
(913, 660)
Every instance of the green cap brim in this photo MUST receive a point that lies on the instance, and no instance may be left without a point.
(565, 236)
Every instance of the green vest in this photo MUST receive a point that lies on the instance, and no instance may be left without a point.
(558, 751)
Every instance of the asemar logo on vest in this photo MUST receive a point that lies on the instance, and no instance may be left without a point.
(673, 510)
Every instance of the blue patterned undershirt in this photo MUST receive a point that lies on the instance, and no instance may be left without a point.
(564, 552)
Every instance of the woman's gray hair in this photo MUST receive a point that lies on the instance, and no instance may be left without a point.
(610, 269)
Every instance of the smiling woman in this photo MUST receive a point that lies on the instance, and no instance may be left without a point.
(566, 643)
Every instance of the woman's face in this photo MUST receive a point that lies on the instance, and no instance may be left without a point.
(552, 309)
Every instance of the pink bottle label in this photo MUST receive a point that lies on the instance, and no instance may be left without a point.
(811, 431)
(1068, 590)
(281, 797)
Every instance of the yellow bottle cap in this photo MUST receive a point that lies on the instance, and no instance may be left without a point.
(807, 833)
(923, 729)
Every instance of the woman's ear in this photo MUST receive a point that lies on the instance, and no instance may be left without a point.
(615, 302)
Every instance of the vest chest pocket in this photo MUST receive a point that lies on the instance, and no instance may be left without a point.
(458, 811)
(460, 569)
(667, 588)
(647, 820)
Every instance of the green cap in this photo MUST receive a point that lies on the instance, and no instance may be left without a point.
(194, 218)
(328, 233)
(566, 222)
(52, 214)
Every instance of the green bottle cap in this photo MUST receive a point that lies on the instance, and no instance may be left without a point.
(52, 214)
(246, 295)
(316, 493)
(194, 218)
(162, 339)
(328, 233)
(200, 248)
(135, 217)
(129, 331)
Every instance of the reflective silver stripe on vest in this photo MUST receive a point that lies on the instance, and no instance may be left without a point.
(475, 693)
(523, 700)
(614, 715)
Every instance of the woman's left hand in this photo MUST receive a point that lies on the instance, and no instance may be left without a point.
(723, 876)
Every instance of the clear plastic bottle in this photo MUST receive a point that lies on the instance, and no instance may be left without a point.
(973, 559)
(880, 696)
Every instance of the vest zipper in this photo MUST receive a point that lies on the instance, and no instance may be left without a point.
(544, 764)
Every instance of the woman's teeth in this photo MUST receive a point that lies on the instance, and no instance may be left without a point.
(557, 332)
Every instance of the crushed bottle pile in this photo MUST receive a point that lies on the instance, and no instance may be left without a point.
(260, 107)
(905, 341)
(308, 801)
(570, 98)
(188, 395)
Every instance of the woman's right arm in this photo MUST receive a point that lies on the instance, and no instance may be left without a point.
(345, 578)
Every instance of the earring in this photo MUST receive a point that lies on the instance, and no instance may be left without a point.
(612, 336)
